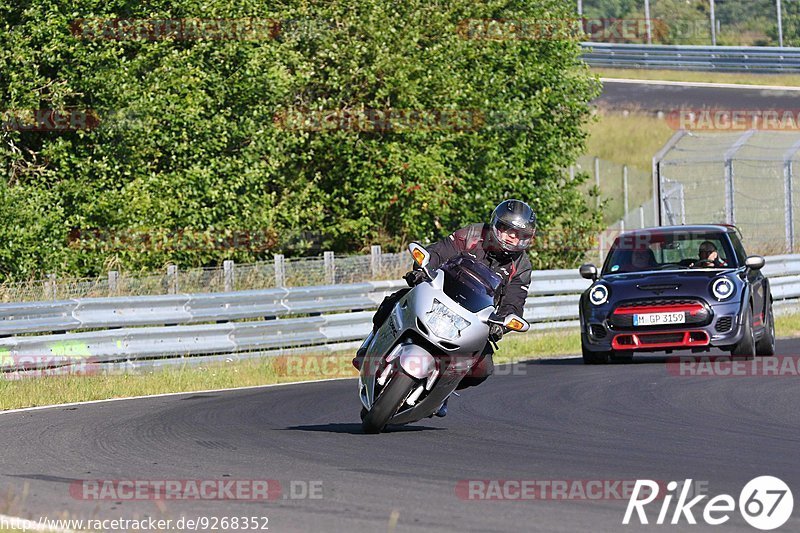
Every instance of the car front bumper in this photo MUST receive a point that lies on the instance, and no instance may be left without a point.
(723, 330)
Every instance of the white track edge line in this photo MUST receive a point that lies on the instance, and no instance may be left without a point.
(704, 84)
(166, 394)
(206, 391)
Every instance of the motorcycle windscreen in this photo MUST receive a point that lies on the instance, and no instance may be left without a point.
(470, 283)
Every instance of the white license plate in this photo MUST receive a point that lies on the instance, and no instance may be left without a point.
(659, 319)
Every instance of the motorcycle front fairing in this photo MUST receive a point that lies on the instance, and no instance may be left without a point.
(412, 335)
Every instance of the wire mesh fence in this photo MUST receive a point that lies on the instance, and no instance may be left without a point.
(280, 272)
(749, 179)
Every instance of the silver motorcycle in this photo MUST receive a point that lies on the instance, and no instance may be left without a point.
(432, 338)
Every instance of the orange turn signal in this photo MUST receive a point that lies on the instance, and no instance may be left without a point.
(419, 256)
(516, 325)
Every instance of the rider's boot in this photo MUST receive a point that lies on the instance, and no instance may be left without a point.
(442, 412)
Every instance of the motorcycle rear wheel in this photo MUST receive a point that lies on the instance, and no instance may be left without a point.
(388, 402)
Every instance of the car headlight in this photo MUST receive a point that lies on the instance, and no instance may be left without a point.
(598, 294)
(444, 322)
(722, 288)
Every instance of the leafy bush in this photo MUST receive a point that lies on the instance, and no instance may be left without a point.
(192, 136)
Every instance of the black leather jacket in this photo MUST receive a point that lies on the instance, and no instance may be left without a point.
(477, 241)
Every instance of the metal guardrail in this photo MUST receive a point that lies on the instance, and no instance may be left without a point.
(721, 58)
(149, 327)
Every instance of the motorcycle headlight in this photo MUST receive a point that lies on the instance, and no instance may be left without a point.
(444, 322)
(598, 294)
(722, 288)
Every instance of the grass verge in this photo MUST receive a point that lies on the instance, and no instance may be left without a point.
(49, 390)
(707, 77)
(630, 139)
(623, 139)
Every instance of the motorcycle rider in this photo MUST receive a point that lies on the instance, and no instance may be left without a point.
(500, 245)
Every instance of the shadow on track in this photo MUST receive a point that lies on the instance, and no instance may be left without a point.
(355, 429)
(638, 359)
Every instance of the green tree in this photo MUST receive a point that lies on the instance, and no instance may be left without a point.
(192, 137)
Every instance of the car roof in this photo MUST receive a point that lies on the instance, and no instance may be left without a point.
(699, 228)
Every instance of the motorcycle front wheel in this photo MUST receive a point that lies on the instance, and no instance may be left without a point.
(388, 402)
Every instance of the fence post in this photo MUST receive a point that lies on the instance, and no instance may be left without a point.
(113, 282)
(376, 261)
(330, 268)
(788, 207)
(280, 271)
(50, 287)
(730, 189)
(172, 279)
(625, 189)
(228, 273)
(602, 245)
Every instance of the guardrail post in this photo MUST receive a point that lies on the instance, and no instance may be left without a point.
(330, 268)
(113, 281)
(50, 287)
(172, 279)
(280, 271)
(228, 273)
(375, 262)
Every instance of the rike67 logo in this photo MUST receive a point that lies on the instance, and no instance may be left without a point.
(765, 503)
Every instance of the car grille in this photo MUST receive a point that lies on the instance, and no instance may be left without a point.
(724, 324)
(699, 318)
(661, 338)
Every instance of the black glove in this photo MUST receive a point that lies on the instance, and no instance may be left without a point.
(414, 278)
(495, 332)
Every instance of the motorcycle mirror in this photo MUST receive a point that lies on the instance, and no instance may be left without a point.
(516, 323)
(420, 254)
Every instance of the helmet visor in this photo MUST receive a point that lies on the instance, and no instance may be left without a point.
(523, 234)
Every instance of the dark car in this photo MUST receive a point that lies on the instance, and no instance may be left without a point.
(676, 288)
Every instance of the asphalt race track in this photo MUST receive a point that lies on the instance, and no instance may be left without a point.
(667, 98)
(549, 420)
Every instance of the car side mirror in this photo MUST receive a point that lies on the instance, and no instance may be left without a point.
(755, 262)
(588, 271)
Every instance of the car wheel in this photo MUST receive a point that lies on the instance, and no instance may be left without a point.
(746, 348)
(766, 345)
(594, 358)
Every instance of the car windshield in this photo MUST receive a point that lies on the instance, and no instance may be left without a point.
(473, 285)
(673, 250)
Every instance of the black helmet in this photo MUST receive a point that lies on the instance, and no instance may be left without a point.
(514, 216)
